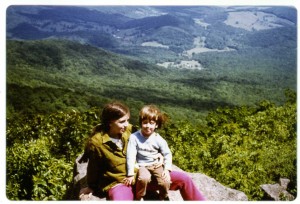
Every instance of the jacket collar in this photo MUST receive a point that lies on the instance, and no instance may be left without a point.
(106, 138)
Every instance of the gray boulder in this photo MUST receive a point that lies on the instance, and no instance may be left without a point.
(211, 189)
(277, 191)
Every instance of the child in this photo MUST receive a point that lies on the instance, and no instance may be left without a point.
(146, 147)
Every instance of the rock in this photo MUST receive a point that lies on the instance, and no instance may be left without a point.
(277, 191)
(79, 182)
(212, 190)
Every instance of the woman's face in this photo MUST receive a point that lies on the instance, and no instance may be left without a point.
(118, 127)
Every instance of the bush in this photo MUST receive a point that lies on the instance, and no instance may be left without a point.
(241, 147)
(41, 152)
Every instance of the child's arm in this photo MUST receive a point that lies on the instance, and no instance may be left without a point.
(166, 152)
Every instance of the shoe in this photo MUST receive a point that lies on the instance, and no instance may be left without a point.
(165, 199)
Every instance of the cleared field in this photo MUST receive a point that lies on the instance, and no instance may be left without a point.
(254, 20)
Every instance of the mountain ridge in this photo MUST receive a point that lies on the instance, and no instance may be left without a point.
(110, 28)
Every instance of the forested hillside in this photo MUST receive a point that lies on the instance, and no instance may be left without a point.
(46, 76)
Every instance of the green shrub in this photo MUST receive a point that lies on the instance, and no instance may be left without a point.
(41, 152)
(241, 147)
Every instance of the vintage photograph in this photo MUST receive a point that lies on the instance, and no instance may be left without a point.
(151, 102)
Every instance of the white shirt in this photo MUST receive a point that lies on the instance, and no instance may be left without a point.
(145, 151)
(118, 142)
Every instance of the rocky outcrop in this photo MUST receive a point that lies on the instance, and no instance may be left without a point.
(213, 190)
(277, 191)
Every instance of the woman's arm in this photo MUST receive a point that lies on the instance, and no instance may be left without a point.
(131, 155)
(94, 170)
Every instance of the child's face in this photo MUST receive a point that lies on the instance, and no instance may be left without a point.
(148, 127)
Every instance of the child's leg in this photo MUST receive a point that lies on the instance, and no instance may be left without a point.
(144, 177)
(164, 186)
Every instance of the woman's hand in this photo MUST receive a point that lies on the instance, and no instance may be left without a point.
(166, 176)
(128, 180)
(85, 192)
(160, 161)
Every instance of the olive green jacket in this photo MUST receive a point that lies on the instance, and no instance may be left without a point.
(107, 162)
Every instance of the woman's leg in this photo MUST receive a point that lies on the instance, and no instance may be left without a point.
(120, 192)
(183, 182)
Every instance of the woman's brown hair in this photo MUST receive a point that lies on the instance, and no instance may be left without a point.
(111, 111)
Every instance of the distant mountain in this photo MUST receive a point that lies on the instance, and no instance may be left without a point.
(175, 29)
(208, 56)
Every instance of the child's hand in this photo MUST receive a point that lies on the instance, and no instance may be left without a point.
(166, 176)
(128, 180)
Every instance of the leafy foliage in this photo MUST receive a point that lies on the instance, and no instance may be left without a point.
(241, 147)
(41, 151)
(35, 174)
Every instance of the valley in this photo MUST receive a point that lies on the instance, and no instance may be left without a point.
(201, 57)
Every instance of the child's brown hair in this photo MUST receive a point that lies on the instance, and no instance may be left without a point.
(152, 112)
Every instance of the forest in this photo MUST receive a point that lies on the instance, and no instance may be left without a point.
(240, 111)
(53, 75)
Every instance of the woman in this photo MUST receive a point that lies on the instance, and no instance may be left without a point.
(106, 152)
